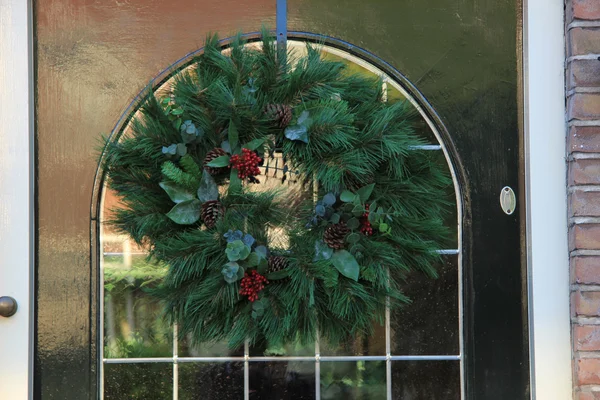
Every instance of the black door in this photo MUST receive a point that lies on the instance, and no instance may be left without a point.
(460, 62)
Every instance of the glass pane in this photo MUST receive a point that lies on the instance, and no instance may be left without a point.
(357, 380)
(133, 326)
(431, 380)
(289, 349)
(372, 345)
(218, 381)
(429, 325)
(152, 381)
(221, 349)
(282, 380)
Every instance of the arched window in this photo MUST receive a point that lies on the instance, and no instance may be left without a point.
(418, 352)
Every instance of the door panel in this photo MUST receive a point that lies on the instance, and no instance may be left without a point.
(462, 55)
(93, 57)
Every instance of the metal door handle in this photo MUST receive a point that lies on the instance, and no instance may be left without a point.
(8, 306)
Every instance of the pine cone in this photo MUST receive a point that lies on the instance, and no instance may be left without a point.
(211, 211)
(277, 263)
(335, 235)
(211, 155)
(282, 113)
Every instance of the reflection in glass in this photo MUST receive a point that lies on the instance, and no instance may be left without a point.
(282, 380)
(152, 381)
(211, 381)
(429, 325)
(359, 380)
(372, 345)
(431, 380)
(132, 323)
(188, 349)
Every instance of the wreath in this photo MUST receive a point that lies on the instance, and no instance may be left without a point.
(188, 172)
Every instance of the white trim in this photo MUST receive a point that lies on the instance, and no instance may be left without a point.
(16, 198)
(546, 197)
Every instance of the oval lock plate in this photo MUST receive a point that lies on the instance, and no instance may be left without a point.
(508, 200)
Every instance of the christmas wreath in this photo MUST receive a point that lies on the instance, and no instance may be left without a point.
(188, 173)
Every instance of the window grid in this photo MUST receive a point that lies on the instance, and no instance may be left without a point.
(317, 358)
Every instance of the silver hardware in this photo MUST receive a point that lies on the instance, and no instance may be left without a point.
(8, 306)
(508, 200)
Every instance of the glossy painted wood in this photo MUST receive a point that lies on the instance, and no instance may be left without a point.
(93, 57)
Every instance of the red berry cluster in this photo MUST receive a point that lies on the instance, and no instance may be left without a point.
(251, 284)
(247, 164)
(366, 227)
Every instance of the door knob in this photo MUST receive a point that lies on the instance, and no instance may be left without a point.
(8, 306)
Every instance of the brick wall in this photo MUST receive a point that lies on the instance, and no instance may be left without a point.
(583, 113)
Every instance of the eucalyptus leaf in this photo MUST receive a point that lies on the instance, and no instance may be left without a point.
(237, 250)
(232, 272)
(254, 144)
(303, 118)
(181, 149)
(248, 240)
(221, 161)
(345, 262)
(358, 210)
(261, 251)
(208, 189)
(297, 132)
(176, 193)
(353, 238)
(226, 146)
(322, 251)
(253, 260)
(373, 206)
(347, 196)
(186, 212)
(383, 227)
(348, 207)
(365, 192)
(353, 223)
(329, 199)
(335, 218)
(170, 150)
(320, 210)
(232, 236)
(177, 111)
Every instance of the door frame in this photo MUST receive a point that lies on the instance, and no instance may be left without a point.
(544, 197)
(17, 222)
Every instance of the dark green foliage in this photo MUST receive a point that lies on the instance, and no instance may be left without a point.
(341, 133)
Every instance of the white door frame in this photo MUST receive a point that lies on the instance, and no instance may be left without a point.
(545, 181)
(16, 197)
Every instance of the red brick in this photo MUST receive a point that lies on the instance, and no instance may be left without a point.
(584, 172)
(586, 270)
(584, 139)
(585, 236)
(586, 303)
(585, 204)
(584, 106)
(588, 371)
(588, 396)
(584, 41)
(586, 9)
(587, 337)
(584, 73)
